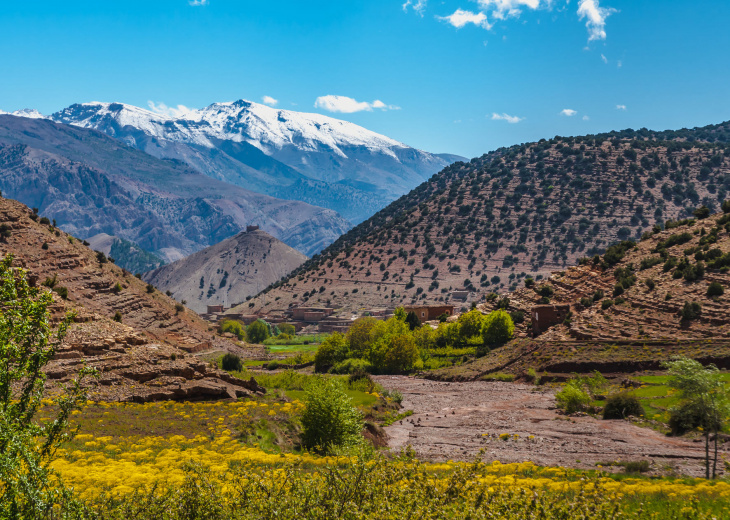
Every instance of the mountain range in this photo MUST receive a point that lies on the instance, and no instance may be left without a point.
(90, 184)
(534, 208)
(291, 155)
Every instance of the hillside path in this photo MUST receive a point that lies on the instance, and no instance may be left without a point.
(449, 421)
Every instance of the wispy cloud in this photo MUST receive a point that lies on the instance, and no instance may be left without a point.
(506, 117)
(460, 18)
(268, 100)
(164, 110)
(595, 16)
(501, 9)
(417, 5)
(198, 2)
(620, 107)
(490, 10)
(586, 118)
(604, 59)
(348, 105)
(569, 112)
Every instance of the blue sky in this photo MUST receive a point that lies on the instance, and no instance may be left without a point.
(463, 76)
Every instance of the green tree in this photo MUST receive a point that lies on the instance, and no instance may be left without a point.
(287, 328)
(470, 325)
(498, 328)
(27, 446)
(401, 355)
(258, 331)
(702, 391)
(329, 419)
(400, 314)
(235, 327)
(413, 321)
(359, 336)
(332, 350)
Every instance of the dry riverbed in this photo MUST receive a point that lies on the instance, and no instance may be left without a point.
(450, 420)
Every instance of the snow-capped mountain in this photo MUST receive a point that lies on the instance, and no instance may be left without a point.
(302, 156)
(30, 113)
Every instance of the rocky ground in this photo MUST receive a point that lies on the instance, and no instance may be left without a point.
(454, 421)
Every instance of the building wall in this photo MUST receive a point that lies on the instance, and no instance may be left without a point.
(545, 316)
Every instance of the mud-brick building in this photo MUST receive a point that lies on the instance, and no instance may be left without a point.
(545, 316)
(431, 312)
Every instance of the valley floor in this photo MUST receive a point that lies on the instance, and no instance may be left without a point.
(454, 421)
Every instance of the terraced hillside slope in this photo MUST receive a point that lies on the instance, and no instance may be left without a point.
(630, 310)
(228, 272)
(529, 209)
(142, 343)
(90, 184)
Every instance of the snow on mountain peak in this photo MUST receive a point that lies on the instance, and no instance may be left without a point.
(265, 127)
(30, 113)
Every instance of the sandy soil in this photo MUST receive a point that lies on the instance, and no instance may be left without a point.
(450, 420)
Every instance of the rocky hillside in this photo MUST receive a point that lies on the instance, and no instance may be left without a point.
(630, 309)
(228, 272)
(142, 342)
(528, 209)
(293, 155)
(90, 184)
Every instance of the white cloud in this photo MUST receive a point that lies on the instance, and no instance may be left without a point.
(595, 16)
(586, 118)
(417, 5)
(460, 18)
(569, 112)
(605, 60)
(347, 105)
(506, 117)
(620, 107)
(164, 110)
(268, 100)
(502, 9)
(198, 2)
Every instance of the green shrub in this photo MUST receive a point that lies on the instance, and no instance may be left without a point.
(620, 406)
(117, 317)
(650, 284)
(498, 328)
(332, 350)
(352, 366)
(61, 291)
(258, 331)
(715, 289)
(117, 288)
(150, 288)
(691, 311)
(572, 398)
(361, 381)
(234, 327)
(605, 304)
(329, 419)
(685, 417)
(288, 329)
(499, 376)
(231, 363)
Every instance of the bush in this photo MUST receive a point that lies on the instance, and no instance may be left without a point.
(620, 406)
(329, 418)
(117, 288)
(470, 325)
(117, 317)
(691, 311)
(234, 327)
(332, 350)
(258, 331)
(62, 292)
(150, 288)
(605, 304)
(498, 328)
(715, 289)
(231, 363)
(352, 366)
(402, 355)
(702, 212)
(685, 417)
(650, 284)
(572, 398)
(288, 329)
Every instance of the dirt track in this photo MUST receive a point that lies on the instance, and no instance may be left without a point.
(449, 421)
